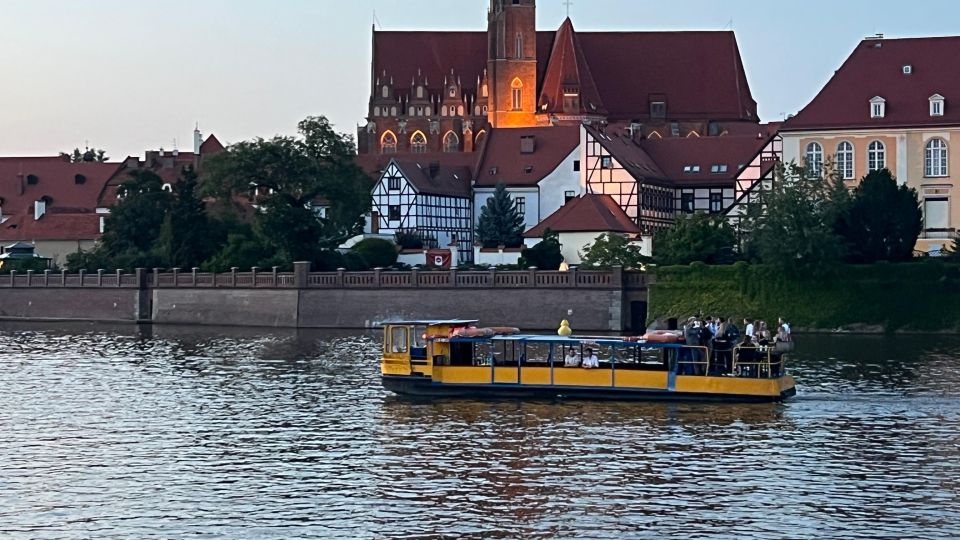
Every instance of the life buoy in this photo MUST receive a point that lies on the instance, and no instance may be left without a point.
(473, 332)
(662, 336)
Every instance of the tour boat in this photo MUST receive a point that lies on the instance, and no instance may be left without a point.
(455, 358)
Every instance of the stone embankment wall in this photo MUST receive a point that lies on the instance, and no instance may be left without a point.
(532, 300)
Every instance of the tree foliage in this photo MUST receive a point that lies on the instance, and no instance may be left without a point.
(882, 220)
(609, 250)
(89, 155)
(545, 255)
(376, 252)
(500, 223)
(697, 237)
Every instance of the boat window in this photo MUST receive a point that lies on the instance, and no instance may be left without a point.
(461, 354)
(537, 353)
(506, 352)
(398, 339)
(419, 337)
(483, 353)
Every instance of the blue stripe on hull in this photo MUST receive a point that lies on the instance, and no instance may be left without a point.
(424, 387)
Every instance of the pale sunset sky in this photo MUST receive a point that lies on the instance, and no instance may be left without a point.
(128, 75)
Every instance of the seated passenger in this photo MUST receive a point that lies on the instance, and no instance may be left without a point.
(572, 359)
(590, 360)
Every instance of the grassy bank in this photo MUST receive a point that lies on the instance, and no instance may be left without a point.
(919, 297)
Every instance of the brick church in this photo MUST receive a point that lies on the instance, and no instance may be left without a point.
(523, 107)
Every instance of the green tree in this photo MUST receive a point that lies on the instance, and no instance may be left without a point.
(698, 237)
(500, 223)
(797, 229)
(883, 221)
(376, 252)
(609, 250)
(90, 155)
(185, 238)
(291, 174)
(545, 255)
(134, 222)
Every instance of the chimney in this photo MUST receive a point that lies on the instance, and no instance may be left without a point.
(528, 144)
(434, 168)
(197, 140)
(39, 209)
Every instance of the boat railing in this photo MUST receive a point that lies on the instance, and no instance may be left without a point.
(758, 363)
(693, 360)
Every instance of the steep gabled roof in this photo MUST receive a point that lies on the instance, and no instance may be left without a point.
(629, 68)
(435, 178)
(589, 213)
(504, 162)
(628, 152)
(568, 69)
(211, 146)
(875, 68)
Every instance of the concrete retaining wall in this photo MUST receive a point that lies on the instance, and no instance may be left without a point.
(70, 304)
(236, 307)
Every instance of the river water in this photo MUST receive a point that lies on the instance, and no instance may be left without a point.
(166, 432)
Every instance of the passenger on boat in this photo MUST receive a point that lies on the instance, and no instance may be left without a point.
(762, 334)
(747, 355)
(572, 359)
(783, 328)
(590, 360)
(748, 328)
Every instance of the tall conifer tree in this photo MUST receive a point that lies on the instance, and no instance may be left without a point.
(500, 224)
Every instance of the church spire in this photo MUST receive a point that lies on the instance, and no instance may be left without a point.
(512, 63)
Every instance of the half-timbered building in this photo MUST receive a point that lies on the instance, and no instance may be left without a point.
(432, 202)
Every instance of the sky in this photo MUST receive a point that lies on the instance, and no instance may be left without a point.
(131, 75)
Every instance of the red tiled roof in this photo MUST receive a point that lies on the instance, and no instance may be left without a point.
(503, 161)
(568, 68)
(628, 67)
(726, 155)
(875, 68)
(434, 178)
(589, 213)
(211, 146)
(627, 152)
(70, 207)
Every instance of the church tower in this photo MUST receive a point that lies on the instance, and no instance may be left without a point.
(512, 63)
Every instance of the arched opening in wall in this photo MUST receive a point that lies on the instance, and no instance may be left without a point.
(451, 143)
(418, 143)
(517, 91)
(388, 143)
(481, 136)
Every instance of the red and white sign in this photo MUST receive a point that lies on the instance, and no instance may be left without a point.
(438, 258)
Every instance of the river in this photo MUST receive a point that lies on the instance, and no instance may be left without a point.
(168, 432)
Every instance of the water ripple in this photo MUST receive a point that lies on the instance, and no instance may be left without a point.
(115, 432)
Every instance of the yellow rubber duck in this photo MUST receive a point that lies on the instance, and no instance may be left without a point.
(564, 330)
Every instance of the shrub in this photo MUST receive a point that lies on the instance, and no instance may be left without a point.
(376, 253)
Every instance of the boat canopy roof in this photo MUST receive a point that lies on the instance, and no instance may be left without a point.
(431, 322)
(609, 341)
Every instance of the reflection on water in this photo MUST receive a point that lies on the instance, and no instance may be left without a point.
(166, 432)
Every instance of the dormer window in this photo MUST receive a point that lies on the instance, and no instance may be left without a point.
(878, 107)
(936, 105)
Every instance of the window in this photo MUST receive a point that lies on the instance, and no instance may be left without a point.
(393, 212)
(606, 162)
(419, 92)
(935, 160)
(936, 213)
(386, 92)
(518, 54)
(451, 143)
(393, 183)
(388, 143)
(814, 158)
(686, 202)
(576, 165)
(398, 339)
(716, 203)
(569, 196)
(418, 143)
(878, 107)
(845, 160)
(517, 87)
(936, 105)
(876, 156)
(521, 205)
(658, 109)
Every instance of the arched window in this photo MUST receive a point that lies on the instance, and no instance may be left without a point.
(393, 110)
(481, 135)
(519, 51)
(419, 92)
(517, 86)
(376, 111)
(388, 143)
(876, 156)
(814, 158)
(453, 110)
(935, 161)
(386, 91)
(451, 143)
(485, 90)
(418, 143)
(460, 110)
(845, 160)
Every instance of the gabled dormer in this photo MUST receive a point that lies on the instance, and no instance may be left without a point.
(938, 105)
(878, 107)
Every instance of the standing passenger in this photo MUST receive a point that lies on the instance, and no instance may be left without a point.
(748, 328)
